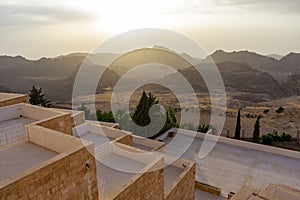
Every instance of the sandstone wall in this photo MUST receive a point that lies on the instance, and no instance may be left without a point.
(185, 188)
(150, 186)
(62, 124)
(16, 100)
(67, 177)
(127, 140)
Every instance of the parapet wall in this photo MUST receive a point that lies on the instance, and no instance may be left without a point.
(69, 175)
(14, 99)
(149, 183)
(58, 178)
(63, 123)
(150, 186)
(127, 140)
(184, 186)
(242, 144)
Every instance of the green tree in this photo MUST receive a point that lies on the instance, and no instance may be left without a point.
(36, 97)
(256, 130)
(141, 114)
(237, 134)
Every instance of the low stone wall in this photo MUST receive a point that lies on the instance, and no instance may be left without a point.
(66, 176)
(63, 123)
(208, 188)
(127, 140)
(15, 100)
(149, 186)
(184, 187)
(151, 144)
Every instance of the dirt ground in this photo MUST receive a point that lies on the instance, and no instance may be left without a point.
(288, 121)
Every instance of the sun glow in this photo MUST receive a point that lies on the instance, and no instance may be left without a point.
(115, 16)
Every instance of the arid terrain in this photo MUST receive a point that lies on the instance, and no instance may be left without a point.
(257, 84)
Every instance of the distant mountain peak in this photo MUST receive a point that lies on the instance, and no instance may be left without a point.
(275, 56)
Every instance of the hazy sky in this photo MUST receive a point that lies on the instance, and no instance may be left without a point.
(37, 28)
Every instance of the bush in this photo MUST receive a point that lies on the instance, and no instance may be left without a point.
(266, 111)
(276, 137)
(105, 116)
(267, 139)
(270, 138)
(286, 137)
(203, 129)
(280, 109)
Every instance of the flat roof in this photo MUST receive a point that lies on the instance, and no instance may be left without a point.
(229, 167)
(98, 139)
(17, 158)
(111, 180)
(16, 121)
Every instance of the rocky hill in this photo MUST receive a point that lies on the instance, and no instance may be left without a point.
(279, 69)
(252, 76)
(237, 78)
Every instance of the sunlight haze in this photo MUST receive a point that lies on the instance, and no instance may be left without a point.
(36, 29)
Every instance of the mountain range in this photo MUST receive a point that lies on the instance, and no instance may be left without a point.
(243, 72)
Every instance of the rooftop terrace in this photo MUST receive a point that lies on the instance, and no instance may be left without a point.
(30, 160)
(233, 163)
(117, 169)
(99, 134)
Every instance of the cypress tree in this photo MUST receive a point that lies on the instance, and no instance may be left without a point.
(141, 114)
(237, 134)
(256, 130)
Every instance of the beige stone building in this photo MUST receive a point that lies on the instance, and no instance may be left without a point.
(45, 156)
(48, 153)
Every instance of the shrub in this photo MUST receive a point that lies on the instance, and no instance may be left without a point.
(280, 109)
(266, 111)
(203, 129)
(276, 137)
(286, 137)
(105, 116)
(267, 139)
(270, 138)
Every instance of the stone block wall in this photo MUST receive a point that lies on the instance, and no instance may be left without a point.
(185, 188)
(150, 186)
(127, 140)
(13, 101)
(68, 177)
(63, 123)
